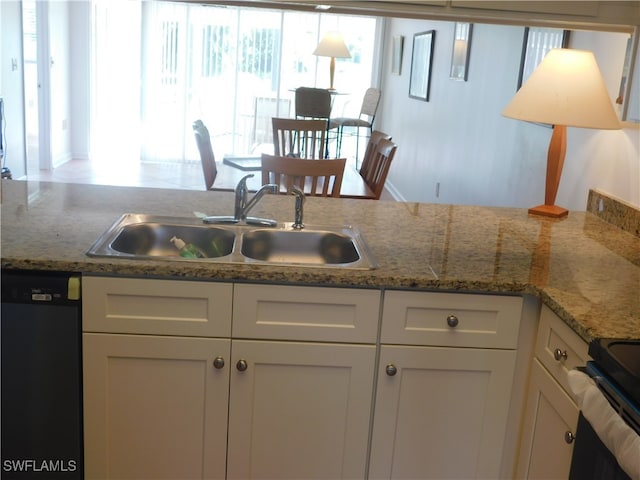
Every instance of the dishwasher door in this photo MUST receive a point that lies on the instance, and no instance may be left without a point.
(41, 376)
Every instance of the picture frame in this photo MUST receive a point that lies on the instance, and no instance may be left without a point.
(421, 61)
(536, 44)
(460, 51)
(397, 48)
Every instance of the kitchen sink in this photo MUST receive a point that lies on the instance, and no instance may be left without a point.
(154, 240)
(136, 236)
(300, 247)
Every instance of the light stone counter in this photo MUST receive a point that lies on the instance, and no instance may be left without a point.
(585, 270)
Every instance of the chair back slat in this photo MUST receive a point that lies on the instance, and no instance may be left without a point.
(299, 138)
(322, 178)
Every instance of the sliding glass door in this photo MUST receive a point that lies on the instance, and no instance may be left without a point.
(233, 68)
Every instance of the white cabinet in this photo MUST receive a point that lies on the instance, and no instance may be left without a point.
(154, 407)
(299, 410)
(441, 409)
(185, 405)
(551, 414)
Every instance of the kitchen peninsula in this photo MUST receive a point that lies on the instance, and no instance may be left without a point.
(585, 270)
(219, 368)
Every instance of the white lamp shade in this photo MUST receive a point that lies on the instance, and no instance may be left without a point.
(332, 45)
(566, 89)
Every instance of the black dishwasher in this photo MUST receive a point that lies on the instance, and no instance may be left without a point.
(41, 375)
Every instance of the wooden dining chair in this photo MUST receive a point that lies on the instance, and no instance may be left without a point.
(374, 139)
(299, 138)
(207, 159)
(316, 178)
(377, 168)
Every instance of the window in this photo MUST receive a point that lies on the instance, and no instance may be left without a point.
(227, 66)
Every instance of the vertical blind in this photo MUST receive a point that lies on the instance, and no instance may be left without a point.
(233, 68)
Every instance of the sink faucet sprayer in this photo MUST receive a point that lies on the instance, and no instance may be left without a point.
(297, 222)
(243, 205)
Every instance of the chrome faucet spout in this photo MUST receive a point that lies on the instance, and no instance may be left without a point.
(242, 206)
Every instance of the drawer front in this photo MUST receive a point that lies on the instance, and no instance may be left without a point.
(305, 313)
(558, 347)
(451, 319)
(156, 307)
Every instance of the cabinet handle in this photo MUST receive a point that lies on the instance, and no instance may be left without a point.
(242, 365)
(218, 362)
(452, 321)
(569, 437)
(560, 355)
(391, 370)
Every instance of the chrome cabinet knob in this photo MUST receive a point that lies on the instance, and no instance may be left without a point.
(560, 355)
(242, 365)
(391, 370)
(569, 437)
(452, 321)
(218, 363)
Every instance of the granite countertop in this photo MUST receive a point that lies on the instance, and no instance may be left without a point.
(584, 269)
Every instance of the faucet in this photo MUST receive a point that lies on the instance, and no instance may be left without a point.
(243, 205)
(297, 221)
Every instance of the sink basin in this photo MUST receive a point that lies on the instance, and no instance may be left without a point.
(135, 236)
(299, 246)
(140, 236)
(154, 240)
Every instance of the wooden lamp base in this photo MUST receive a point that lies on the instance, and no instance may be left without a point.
(555, 162)
(549, 211)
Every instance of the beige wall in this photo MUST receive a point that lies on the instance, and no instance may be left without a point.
(460, 140)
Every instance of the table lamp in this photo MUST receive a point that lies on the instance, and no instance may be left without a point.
(332, 45)
(566, 89)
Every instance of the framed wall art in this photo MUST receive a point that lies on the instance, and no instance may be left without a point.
(536, 44)
(421, 60)
(396, 54)
(460, 51)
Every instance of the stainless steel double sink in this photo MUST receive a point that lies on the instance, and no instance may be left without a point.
(137, 236)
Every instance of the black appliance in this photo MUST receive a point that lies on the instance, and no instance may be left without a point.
(41, 376)
(616, 371)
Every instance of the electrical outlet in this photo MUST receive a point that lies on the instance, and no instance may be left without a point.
(437, 189)
(14, 64)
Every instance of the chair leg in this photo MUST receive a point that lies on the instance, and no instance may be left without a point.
(357, 145)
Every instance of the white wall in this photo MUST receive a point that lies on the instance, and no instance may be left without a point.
(460, 140)
(60, 83)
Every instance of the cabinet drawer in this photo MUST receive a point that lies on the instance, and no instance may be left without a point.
(451, 319)
(157, 307)
(305, 313)
(556, 339)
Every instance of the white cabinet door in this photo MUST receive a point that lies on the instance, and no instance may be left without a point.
(551, 419)
(154, 407)
(442, 413)
(299, 410)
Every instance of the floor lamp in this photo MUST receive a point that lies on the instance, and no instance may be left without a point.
(566, 90)
(332, 45)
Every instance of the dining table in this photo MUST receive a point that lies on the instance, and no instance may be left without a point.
(230, 173)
